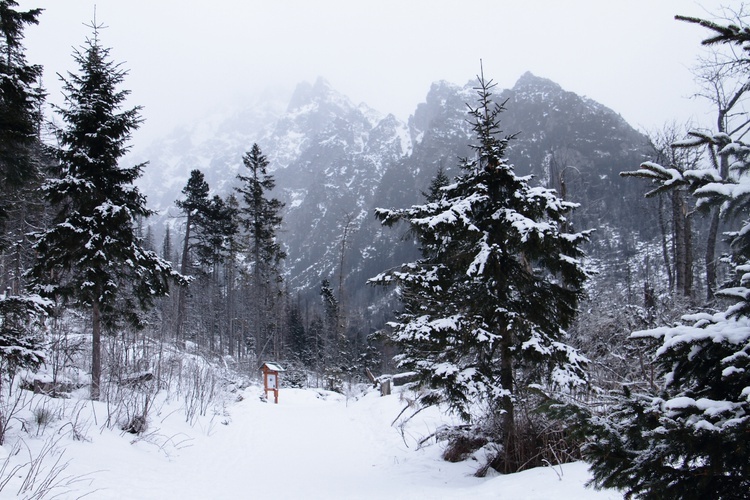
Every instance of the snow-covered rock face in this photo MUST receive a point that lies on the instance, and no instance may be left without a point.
(328, 176)
(335, 162)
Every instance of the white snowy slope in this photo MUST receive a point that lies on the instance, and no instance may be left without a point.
(312, 445)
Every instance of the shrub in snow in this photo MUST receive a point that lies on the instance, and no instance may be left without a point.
(463, 441)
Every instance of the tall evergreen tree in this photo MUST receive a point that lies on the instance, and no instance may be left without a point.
(167, 306)
(211, 227)
(299, 348)
(21, 153)
(333, 336)
(21, 98)
(166, 245)
(194, 207)
(486, 306)
(260, 217)
(217, 238)
(219, 227)
(91, 254)
(231, 268)
(688, 439)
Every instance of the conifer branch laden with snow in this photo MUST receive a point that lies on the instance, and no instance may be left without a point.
(689, 438)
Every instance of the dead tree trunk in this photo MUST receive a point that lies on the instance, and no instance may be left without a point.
(682, 244)
(96, 351)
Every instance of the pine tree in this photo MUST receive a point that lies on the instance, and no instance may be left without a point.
(231, 268)
(22, 156)
(332, 336)
(211, 227)
(194, 207)
(486, 306)
(20, 100)
(260, 217)
(21, 315)
(91, 254)
(21, 322)
(434, 192)
(298, 341)
(688, 439)
(166, 245)
(218, 225)
(215, 241)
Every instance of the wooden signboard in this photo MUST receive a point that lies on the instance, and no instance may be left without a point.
(271, 379)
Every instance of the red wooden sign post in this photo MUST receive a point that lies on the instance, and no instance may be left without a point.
(271, 379)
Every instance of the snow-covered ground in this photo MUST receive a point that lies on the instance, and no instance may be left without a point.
(312, 445)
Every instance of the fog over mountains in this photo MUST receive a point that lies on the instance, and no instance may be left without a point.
(334, 162)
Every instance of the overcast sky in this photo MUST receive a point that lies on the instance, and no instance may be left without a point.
(186, 58)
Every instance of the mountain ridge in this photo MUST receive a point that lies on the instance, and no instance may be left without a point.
(334, 162)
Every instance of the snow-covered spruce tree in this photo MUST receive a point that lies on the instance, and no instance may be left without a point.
(689, 440)
(22, 155)
(91, 255)
(21, 316)
(260, 217)
(21, 326)
(21, 98)
(486, 306)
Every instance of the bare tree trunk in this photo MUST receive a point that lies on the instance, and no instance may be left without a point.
(664, 246)
(510, 443)
(96, 351)
(725, 107)
(229, 271)
(681, 240)
(182, 295)
(688, 237)
(713, 233)
(711, 255)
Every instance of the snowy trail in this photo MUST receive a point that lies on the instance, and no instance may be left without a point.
(299, 448)
(307, 447)
(312, 445)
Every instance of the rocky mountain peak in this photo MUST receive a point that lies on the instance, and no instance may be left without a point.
(307, 97)
(530, 82)
(444, 107)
